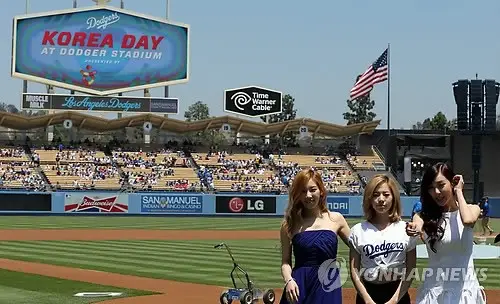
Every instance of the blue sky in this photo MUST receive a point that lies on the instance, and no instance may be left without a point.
(314, 50)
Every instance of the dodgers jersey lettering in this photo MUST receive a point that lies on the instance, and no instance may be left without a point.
(381, 251)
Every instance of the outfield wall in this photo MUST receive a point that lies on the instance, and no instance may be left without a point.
(155, 203)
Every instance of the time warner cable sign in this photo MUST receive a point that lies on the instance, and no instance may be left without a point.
(100, 50)
(252, 101)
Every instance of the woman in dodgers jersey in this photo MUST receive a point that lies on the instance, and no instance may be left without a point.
(447, 224)
(382, 255)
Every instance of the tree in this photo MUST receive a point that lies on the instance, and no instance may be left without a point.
(360, 109)
(437, 123)
(288, 113)
(10, 108)
(200, 111)
(197, 111)
(425, 125)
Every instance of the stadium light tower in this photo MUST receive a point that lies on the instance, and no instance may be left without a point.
(476, 102)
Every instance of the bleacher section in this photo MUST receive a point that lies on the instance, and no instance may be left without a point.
(367, 162)
(237, 172)
(337, 176)
(157, 171)
(17, 171)
(86, 169)
(78, 169)
(247, 172)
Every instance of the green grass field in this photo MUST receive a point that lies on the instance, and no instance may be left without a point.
(16, 287)
(188, 261)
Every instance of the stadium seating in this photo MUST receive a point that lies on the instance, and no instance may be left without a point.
(17, 171)
(237, 172)
(165, 170)
(78, 169)
(366, 162)
(248, 172)
(171, 170)
(337, 176)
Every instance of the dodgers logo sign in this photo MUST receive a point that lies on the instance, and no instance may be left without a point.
(172, 203)
(338, 204)
(100, 103)
(100, 51)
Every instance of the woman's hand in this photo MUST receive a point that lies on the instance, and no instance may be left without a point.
(413, 229)
(458, 182)
(292, 292)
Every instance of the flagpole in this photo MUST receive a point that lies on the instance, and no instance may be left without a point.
(388, 104)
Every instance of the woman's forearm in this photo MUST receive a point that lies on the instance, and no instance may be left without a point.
(418, 220)
(406, 280)
(360, 288)
(286, 272)
(465, 212)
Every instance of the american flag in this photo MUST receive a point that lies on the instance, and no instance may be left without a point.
(376, 73)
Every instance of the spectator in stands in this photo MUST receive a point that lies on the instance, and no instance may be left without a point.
(19, 173)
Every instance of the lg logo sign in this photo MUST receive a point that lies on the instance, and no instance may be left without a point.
(237, 205)
(248, 204)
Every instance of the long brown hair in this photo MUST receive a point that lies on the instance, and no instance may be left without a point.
(294, 210)
(375, 182)
(432, 213)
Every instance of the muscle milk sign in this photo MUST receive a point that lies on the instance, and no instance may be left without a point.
(252, 101)
(36, 101)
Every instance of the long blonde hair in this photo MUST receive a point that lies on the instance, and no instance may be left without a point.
(375, 182)
(295, 207)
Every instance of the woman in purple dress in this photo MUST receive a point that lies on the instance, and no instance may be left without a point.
(310, 230)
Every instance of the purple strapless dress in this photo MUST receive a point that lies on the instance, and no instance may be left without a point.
(311, 248)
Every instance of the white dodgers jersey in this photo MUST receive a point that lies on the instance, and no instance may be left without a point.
(383, 253)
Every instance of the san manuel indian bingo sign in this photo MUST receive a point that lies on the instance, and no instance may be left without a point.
(100, 50)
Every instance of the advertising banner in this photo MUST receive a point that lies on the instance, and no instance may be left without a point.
(155, 203)
(245, 204)
(252, 101)
(96, 203)
(338, 204)
(100, 50)
(67, 102)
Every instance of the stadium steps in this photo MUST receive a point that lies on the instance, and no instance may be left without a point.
(348, 165)
(29, 154)
(108, 152)
(191, 162)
